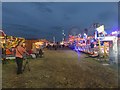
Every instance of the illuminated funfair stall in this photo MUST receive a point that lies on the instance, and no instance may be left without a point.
(104, 45)
(39, 44)
(11, 43)
(8, 44)
(107, 44)
(80, 44)
(2, 41)
(2, 38)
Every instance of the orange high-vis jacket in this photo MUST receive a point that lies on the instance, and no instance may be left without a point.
(8, 52)
(20, 51)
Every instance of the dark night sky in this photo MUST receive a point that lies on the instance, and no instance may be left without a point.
(45, 20)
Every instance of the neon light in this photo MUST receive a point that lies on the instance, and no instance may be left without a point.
(115, 32)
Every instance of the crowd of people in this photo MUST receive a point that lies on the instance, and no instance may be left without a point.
(36, 52)
(56, 46)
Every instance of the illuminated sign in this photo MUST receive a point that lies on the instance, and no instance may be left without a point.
(100, 29)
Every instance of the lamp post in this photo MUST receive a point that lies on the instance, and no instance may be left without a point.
(63, 35)
(54, 39)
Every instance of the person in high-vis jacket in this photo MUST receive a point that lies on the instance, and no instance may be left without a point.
(20, 50)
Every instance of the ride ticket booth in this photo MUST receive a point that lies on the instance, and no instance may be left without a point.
(113, 48)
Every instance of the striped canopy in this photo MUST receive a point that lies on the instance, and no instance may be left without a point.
(2, 33)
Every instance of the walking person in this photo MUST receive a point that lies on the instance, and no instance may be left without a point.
(92, 47)
(20, 50)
